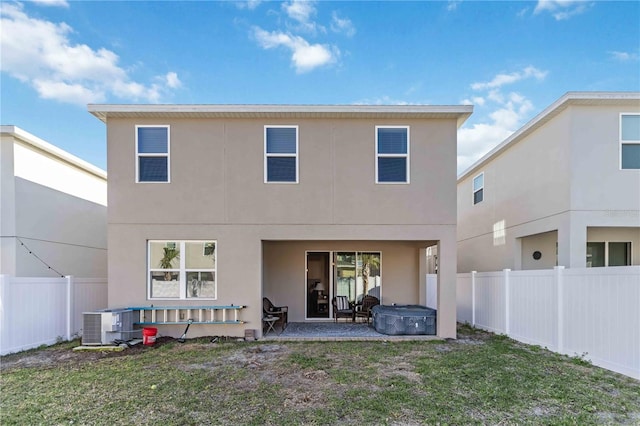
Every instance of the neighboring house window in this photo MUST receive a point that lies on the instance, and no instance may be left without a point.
(630, 141)
(281, 154)
(152, 153)
(478, 188)
(182, 269)
(392, 154)
(608, 254)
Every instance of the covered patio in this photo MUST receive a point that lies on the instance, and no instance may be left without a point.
(306, 277)
(335, 331)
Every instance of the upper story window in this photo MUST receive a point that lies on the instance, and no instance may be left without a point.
(630, 141)
(478, 188)
(152, 153)
(392, 154)
(281, 154)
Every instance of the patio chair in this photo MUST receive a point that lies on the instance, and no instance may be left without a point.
(364, 310)
(270, 310)
(342, 308)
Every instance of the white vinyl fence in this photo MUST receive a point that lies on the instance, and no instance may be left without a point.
(431, 292)
(588, 312)
(42, 311)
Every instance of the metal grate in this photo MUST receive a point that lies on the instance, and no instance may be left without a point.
(92, 328)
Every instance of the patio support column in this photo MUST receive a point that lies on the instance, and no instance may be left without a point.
(447, 285)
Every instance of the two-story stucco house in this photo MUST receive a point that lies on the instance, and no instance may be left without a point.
(279, 201)
(53, 210)
(562, 190)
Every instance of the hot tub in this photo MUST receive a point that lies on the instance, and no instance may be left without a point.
(404, 319)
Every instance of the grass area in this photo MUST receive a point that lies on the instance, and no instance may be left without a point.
(478, 379)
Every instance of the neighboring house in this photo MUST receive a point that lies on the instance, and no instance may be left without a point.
(562, 190)
(52, 210)
(289, 202)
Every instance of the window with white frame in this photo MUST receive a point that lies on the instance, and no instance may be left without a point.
(630, 141)
(152, 153)
(392, 154)
(478, 188)
(181, 269)
(281, 154)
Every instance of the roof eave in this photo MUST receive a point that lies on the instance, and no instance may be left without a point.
(52, 150)
(105, 111)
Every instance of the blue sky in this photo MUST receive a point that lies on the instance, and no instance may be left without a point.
(509, 59)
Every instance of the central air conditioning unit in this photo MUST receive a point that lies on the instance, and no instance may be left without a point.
(106, 326)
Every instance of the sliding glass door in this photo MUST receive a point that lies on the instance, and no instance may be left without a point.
(357, 274)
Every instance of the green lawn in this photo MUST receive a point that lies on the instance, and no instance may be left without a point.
(478, 379)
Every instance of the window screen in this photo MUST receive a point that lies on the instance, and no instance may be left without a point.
(392, 152)
(281, 154)
(152, 152)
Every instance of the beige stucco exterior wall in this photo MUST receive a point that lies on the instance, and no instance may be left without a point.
(563, 178)
(217, 175)
(597, 182)
(55, 207)
(544, 243)
(526, 191)
(67, 232)
(217, 192)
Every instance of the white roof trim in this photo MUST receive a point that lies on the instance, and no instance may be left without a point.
(104, 111)
(569, 98)
(52, 150)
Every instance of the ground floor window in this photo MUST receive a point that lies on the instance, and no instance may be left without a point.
(608, 253)
(357, 275)
(181, 269)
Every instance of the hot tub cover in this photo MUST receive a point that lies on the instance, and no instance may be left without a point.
(404, 319)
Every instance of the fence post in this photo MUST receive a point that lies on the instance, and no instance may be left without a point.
(473, 298)
(4, 330)
(559, 270)
(507, 318)
(69, 304)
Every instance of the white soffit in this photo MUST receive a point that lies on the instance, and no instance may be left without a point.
(104, 112)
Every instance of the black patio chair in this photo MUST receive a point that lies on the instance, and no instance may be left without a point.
(342, 308)
(270, 310)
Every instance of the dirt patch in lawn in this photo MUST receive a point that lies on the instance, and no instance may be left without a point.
(61, 354)
(479, 378)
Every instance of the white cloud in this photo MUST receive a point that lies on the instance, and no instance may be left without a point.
(304, 56)
(506, 112)
(384, 100)
(342, 25)
(503, 79)
(624, 56)
(452, 5)
(65, 92)
(476, 141)
(562, 9)
(249, 4)
(56, 3)
(172, 80)
(302, 11)
(476, 100)
(39, 53)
